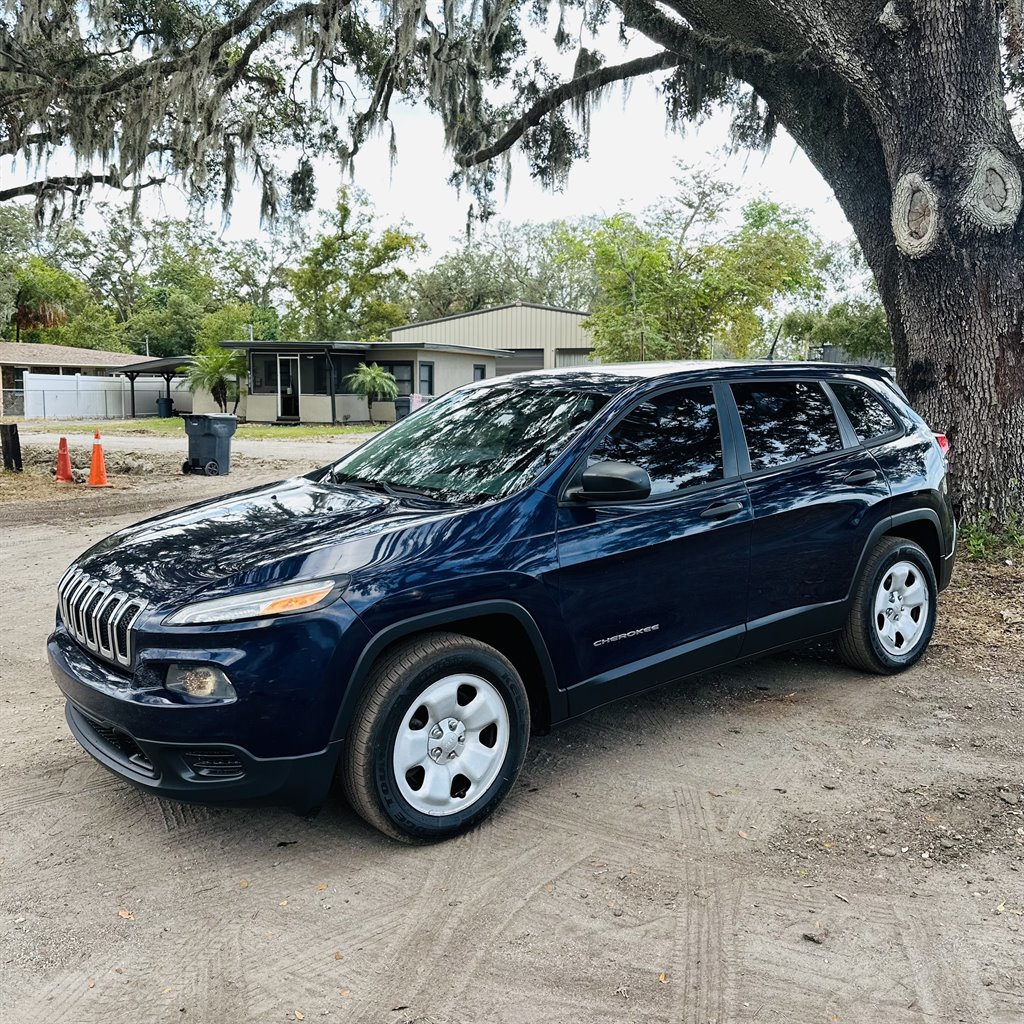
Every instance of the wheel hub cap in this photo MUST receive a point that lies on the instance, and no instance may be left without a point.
(446, 740)
(451, 744)
(902, 604)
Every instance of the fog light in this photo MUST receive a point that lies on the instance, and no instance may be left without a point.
(200, 682)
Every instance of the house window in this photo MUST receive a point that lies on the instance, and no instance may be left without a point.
(479, 371)
(313, 375)
(426, 378)
(402, 372)
(344, 367)
(264, 374)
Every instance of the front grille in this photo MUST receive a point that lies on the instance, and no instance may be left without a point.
(214, 763)
(123, 744)
(98, 617)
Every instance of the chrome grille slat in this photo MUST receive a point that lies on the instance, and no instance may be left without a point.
(99, 618)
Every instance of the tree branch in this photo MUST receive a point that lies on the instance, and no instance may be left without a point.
(70, 183)
(563, 94)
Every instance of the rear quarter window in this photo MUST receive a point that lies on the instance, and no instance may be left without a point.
(868, 416)
(785, 421)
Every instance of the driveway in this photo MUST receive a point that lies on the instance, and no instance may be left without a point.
(320, 450)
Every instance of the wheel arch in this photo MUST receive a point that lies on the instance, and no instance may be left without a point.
(922, 526)
(504, 625)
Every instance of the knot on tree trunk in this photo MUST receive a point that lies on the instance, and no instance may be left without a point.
(992, 198)
(891, 20)
(915, 215)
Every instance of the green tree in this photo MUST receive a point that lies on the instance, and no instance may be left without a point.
(231, 322)
(857, 326)
(679, 285)
(347, 286)
(216, 370)
(505, 263)
(373, 382)
(42, 296)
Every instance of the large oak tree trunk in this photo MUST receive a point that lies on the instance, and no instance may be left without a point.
(901, 107)
(958, 325)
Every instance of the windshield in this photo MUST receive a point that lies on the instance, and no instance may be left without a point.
(475, 444)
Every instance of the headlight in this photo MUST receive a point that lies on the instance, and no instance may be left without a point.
(258, 604)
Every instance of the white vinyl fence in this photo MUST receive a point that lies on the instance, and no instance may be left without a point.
(49, 396)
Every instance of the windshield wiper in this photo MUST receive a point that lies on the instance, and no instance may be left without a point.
(383, 487)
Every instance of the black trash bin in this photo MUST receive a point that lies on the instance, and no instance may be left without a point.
(209, 443)
(403, 406)
(164, 408)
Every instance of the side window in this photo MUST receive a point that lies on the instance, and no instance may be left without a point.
(674, 436)
(869, 417)
(785, 421)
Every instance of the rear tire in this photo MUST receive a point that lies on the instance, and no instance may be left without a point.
(892, 612)
(437, 739)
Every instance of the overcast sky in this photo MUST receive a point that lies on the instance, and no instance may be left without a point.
(632, 163)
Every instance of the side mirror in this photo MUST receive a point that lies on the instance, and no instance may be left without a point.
(612, 481)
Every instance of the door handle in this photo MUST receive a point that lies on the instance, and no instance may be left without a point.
(723, 511)
(860, 476)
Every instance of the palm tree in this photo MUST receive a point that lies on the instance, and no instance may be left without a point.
(212, 369)
(373, 382)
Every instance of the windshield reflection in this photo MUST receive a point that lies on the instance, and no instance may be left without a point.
(476, 444)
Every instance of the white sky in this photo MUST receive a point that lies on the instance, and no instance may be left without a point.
(631, 166)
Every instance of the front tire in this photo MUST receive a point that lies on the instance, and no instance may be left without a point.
(892, 613)
(438, 738)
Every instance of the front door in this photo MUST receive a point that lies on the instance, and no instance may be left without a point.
(655, 589)
(288, 387)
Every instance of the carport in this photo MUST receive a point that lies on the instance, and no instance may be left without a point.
(168, 368)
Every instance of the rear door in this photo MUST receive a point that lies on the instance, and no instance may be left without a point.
(651, 590)
(816, 494)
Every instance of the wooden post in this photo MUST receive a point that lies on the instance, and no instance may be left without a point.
(12, 446)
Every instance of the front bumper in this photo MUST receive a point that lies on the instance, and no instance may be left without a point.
(186, 753)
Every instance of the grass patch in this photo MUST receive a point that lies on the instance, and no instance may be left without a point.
(983, 541)
(174, 426)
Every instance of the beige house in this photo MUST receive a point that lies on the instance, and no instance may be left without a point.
(19, 358)
(537, 337)
(305, 381)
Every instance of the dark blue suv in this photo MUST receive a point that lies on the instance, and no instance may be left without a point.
(508, 557)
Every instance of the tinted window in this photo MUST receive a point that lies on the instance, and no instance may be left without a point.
(867, 414)
(674, 437)
(786, 421)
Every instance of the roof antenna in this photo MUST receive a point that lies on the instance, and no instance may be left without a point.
(771, 351)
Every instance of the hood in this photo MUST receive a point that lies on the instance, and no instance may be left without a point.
(267, 535)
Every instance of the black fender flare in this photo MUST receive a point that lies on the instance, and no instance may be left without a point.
(887, 525)
(452, 616)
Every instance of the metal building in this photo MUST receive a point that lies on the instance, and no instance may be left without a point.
(538, 337)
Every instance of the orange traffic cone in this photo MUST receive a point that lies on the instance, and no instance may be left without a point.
(64, 463)
(98, 468)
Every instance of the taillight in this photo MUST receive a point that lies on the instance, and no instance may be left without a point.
(943, 443)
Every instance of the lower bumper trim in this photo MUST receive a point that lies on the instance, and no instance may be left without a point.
(206, 773)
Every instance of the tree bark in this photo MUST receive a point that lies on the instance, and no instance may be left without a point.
(900, 107)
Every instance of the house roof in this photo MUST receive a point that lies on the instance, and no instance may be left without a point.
(27, 353)
(166, 365)
(368, 348)
(490, 309)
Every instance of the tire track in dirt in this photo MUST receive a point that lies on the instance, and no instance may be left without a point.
(498, 896)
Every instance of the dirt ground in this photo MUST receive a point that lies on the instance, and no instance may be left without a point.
(782, 841)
